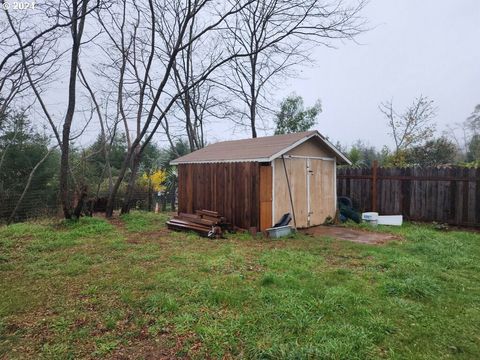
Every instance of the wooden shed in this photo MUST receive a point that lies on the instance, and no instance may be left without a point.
(253, 182)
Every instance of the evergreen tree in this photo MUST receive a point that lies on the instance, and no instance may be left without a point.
(293, 117)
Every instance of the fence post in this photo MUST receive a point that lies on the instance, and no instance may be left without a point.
(374, 185)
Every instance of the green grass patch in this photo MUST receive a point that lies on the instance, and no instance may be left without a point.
(142, 221)
(86, 290)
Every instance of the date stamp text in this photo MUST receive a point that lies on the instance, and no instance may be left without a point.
(17, 5)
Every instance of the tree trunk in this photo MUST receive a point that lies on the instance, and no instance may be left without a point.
(253, 114)
(64, 192)
(131, 184)
(253, 96)
(172, 201)
(64, 165)
(81, 201)
(118, 182)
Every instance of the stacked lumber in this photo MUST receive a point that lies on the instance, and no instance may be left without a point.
(204, 222)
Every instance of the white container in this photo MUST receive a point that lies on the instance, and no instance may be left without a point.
(278, 232)
(370, 218)
(395, 220)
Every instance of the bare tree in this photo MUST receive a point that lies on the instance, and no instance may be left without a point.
(107, 136)
(161, 60)
(278, 35)
(462, 133)
(149, 68)
(36, 66)
(198, 101)
(413, 126)
(15, 89)
(76, 13)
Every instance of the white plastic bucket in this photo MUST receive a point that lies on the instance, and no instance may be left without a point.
(395, 220)
(370, 218)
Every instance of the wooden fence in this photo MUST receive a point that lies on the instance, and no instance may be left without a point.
(448, 195)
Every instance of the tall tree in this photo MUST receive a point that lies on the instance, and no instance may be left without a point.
(362, 154)
(440, 151)
(79, 10)
(413, 126)
(150, 63)
(294, 117)
(473, 150)
(473, 121)
(76, 13)
(278, 35)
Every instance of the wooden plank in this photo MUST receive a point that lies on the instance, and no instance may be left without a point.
(471, 197)
(207, 212)
(199, 221)
(402, 178)
(322, 199)
(189, 223)
(265, 196)
(465, 198)
(374, 185)
(405, 195)
(297, 170)
(281, 198)
(188, 215)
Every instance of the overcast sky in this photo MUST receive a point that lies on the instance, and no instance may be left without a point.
(414, 47)
(429, 47)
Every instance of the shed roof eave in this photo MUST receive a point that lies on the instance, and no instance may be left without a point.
(173, 162)
(340, 158)
(339, 153)
(301, 141)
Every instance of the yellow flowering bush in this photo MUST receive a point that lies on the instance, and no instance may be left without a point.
(154, 180)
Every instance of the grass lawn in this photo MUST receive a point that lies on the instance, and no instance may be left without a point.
(132, 289)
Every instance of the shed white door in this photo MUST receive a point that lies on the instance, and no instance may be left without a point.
(311, 187)
(320, 190)
(290, 180)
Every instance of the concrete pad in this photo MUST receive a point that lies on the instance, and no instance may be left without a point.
(343, 233)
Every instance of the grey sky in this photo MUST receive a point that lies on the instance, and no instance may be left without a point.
(429, 47)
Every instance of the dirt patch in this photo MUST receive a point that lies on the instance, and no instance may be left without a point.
(117, 222)
(143, 238)
(163, 347)
(358, 236)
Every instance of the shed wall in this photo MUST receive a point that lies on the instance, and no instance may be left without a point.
(311, 147)
(316, 194)
(232, 189)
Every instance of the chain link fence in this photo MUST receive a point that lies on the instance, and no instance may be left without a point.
(38, 204)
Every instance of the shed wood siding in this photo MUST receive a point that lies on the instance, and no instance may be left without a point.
(322, 191)
(232, 189)
(265, 197)
(311, 148)
(296, 172)
(318, 191)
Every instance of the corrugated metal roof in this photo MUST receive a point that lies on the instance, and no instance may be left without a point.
(261, 149)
